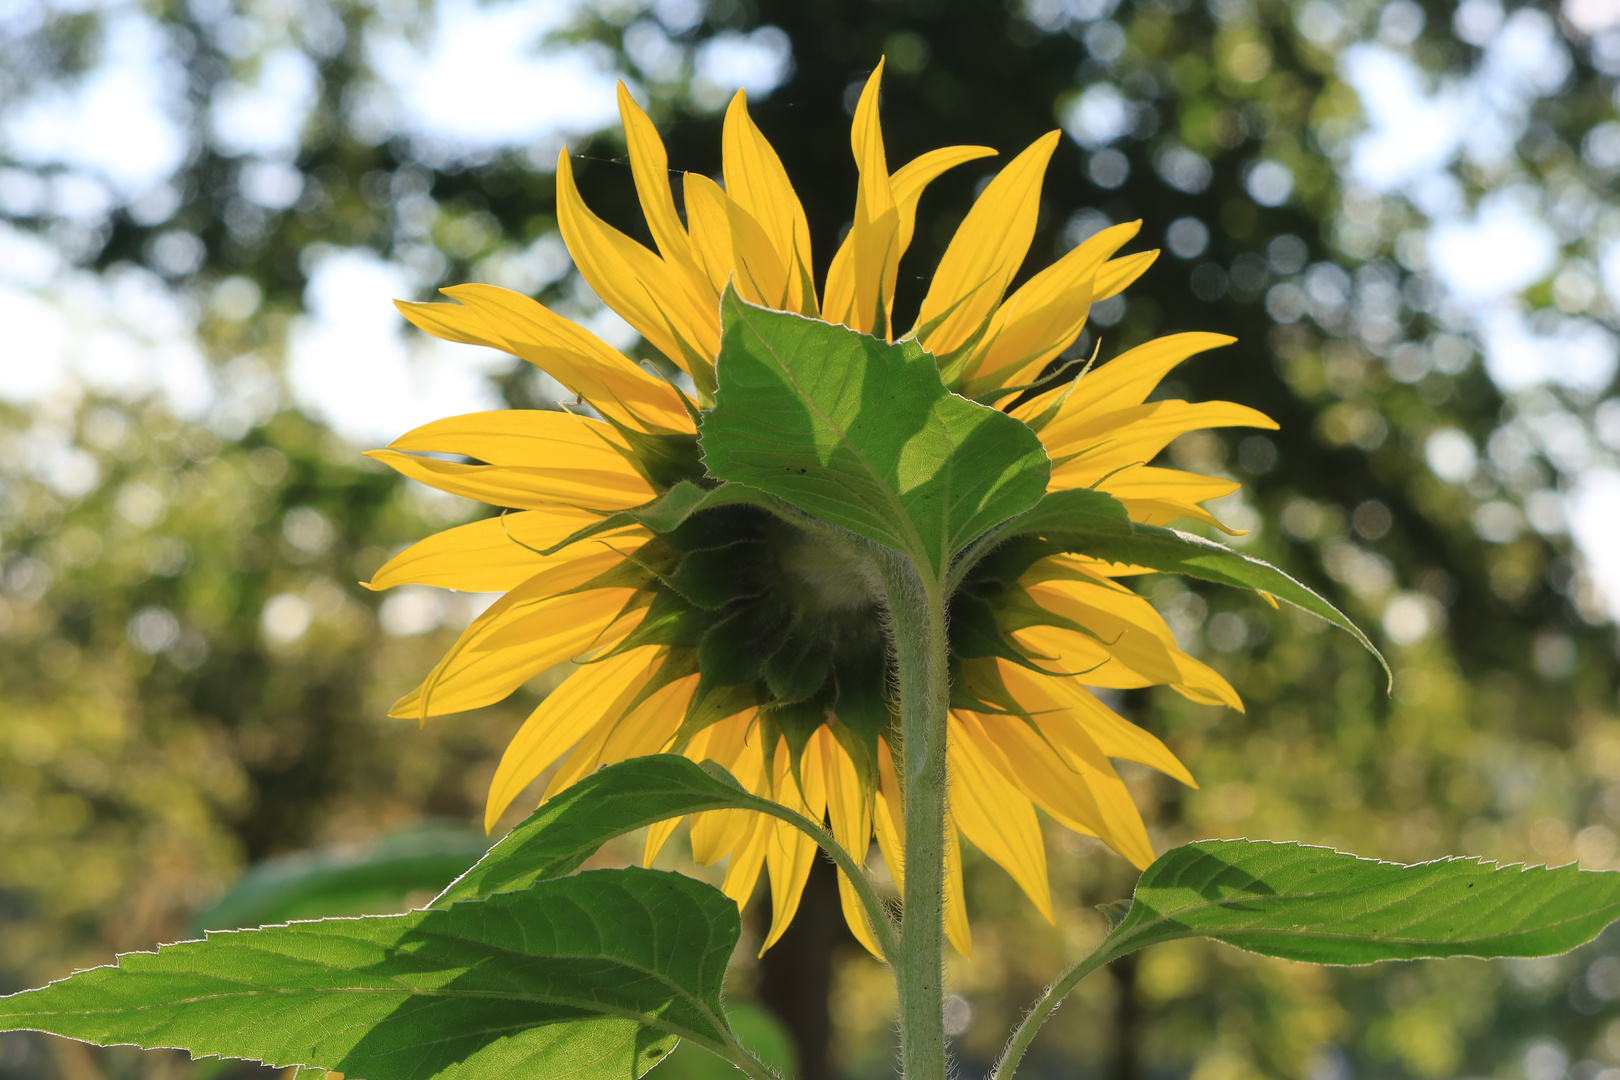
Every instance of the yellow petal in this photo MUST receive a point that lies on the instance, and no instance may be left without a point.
(906, 186)
(1124, 381)
(759, 185)
(649, 166)
(517, 437)
(1044, 316)
(1117, 274)
(789, 852)
(1071, 703)
(602, 485)
(889, 818)
(1038, 770)
(1122, 827)
(492, 555)
(742, 872)
(1134, 638)
(594, 694)
(645, 729)
(612, 383)
(637, 284)
(717, 832)
(658, 835)
(860, 290)
(452, 322)
(552, 622)
(1160, 496)
(985, 253)
(996, 817)
(849, 811)
(957, 929)
(1090, 448)
(734, 246)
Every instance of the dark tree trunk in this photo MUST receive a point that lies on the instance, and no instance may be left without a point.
(796, 974)
(1127, 1020)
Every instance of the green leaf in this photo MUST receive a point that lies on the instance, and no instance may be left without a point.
(569, 827)
(1327, 907)
(1082, 522)
(864, 434)
(311, 885)
(585, 977)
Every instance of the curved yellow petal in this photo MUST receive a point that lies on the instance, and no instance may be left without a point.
(742, 871)
(759, 185)
(451, 322)
(602, 487)
(649, 167)
(1117, 274)
(788, 852)
(595, 694)
(995, 816)
(889, 817)
(1066, 702)
(860, 290)
(906, 185)
(1099, 445)
(849, 811)
(717, 832)
(1134, 638)
(552, 623)
(1044, 316)
(519, 437)
(638, 285)
(957, 929)
(610, 382)
(644, 729)
(985, 253)
(492, 555)
(1124, 381)
(732, 245)
(1156, 496)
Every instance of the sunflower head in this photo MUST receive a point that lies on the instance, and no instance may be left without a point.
(721, 629)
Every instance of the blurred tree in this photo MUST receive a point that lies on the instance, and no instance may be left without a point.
(1418, 476)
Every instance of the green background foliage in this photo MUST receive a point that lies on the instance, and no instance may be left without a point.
(163, 730)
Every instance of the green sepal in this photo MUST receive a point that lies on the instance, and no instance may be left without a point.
(799, 667)
(664, 459)
(735, 648)
(713, 577)
(671, 509)
(975, 632)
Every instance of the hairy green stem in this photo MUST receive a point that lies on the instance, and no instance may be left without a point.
(1045, 1006)
(917, 614)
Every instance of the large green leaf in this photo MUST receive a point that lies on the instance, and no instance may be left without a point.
(586, 977)
(1327, 907)
(610, 802)
(313, 884)
(1083, 522)
(863, 434)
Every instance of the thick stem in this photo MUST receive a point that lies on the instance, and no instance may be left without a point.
(917, 611)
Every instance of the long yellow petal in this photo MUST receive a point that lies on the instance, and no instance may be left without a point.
(1114, 735)
(545, 629)
(1037, 769)
(1105, 443)
(717, 832)
(733, 245)
(612, 383)
(1122, 827)
(889, 818)
(860, 291)
(520, 437)
(492, 555)
(957, 929)
(742, 871)
(1124, 381)
(995, 816)
(637, 284)
(789, 852)
(649, 166)
(849, 811)
(906, 185)
(646, 729)
(602, 489)
(1044, 316)
(757, 182)
(594, 694)
(985, 253)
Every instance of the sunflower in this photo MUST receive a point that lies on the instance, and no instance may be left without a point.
(739, 638)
